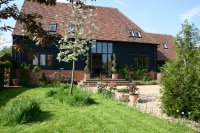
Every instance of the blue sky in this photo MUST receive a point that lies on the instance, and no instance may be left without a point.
(157, 16)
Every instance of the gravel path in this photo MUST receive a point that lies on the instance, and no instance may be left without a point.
(149, 100)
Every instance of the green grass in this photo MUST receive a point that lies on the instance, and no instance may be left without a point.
(106, 115)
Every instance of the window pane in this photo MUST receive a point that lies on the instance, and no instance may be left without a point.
(93, 48)
(165, 46)
(52, 27)
(104, 63)
(140, 62)
(50, 60)
(105, 48)
(110, 48)
(42, 59)
(109, 65)
(146, 62)
(135, 62)
(99, 47)
(35, 60)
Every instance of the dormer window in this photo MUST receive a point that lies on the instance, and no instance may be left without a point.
(165, 46)
(135, 34)
(52, 27)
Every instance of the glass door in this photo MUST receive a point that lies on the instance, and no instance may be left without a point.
(101, 62)
(96, 63)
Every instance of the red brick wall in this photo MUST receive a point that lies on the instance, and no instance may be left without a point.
(78, 75)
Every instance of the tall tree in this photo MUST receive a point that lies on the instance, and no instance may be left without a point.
(78, 34)
(181, 76)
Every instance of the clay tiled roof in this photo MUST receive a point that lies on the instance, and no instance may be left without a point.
(162, 53)
(112, 24)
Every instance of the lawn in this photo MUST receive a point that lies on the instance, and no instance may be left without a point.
(106, 115)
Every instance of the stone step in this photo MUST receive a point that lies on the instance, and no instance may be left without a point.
(109, 80)
(118, 84)
(105, 82)
(93, 82)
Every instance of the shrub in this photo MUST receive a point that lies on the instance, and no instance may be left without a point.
(36, 69)
(107, 93)
(101, 86)
(114, 64)
(51, 93)
(130, 73)
(124, 90)
(22, 110)
(87, 62)
(141, 82)
(80, 99)
(181, 77)
(42, 77)
(57, 84)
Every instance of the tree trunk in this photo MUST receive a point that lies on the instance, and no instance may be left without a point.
(72, 78)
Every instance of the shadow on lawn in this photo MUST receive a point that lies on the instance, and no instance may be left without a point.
(42, 116)
(7, 94)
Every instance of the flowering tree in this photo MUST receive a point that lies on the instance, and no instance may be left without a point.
(78, 34)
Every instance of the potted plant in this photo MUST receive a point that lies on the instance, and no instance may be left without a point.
(112, 86)
(101, 86)
(15, 82)
(87, 69)
(122, 95)
(133, 93)
(113, 69)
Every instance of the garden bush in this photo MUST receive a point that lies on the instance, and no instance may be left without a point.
(130, 73)
(80, 99)
(51, 93)
(22, 110)
(181, 77)
(141, 82)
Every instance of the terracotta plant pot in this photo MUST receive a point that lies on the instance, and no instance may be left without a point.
(122, 97)
(115, 76)
(86, 76)
(15, 82)
(133, 98)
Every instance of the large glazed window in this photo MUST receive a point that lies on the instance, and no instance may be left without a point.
(102, 48)
(141, 62)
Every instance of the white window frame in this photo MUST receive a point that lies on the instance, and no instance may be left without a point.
(165, 46)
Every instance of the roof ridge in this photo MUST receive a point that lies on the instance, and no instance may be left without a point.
(62, 3)
(159, 34)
